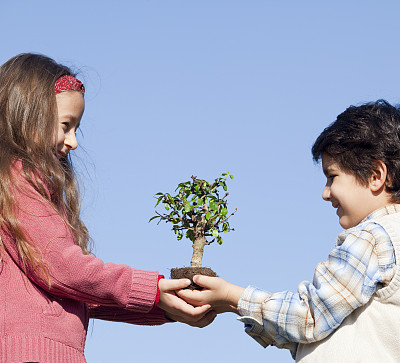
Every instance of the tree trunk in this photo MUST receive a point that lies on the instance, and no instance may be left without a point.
(198, 249)
(199, 242)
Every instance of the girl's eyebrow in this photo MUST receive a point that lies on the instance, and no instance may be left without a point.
(71, 117)
(75, 120)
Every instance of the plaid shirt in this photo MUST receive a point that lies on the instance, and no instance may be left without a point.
(362, 262)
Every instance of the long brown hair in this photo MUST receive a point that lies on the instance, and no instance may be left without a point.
(28, 120)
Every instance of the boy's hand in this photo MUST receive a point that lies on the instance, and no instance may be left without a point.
(179, 310)
(221, 295)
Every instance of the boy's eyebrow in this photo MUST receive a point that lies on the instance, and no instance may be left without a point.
(328, 169)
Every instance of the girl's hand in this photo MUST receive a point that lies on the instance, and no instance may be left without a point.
(221, 295)
(179, 310)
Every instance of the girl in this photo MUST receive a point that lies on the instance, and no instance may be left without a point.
(50, 284)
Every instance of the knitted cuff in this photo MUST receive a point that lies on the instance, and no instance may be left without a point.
(158, 291)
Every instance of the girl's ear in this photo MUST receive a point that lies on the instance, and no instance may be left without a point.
(378, 177)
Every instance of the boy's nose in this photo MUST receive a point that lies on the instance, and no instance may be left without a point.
(71, 142)
(326, 193)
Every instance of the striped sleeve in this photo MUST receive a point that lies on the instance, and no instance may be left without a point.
(346, 281)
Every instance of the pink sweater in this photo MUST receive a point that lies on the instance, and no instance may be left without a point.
(48, 325)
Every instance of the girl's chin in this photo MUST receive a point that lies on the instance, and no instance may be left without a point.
(61, 155)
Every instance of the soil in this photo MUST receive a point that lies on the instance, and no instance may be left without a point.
(189, 272)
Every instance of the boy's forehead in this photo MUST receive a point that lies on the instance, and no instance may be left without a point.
(329, 163)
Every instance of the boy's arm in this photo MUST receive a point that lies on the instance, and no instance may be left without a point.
(346, 281)
(340, 285)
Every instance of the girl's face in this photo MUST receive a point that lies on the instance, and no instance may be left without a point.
(70, 107)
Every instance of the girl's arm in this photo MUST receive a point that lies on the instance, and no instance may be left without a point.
(82, 277)
(155, 316)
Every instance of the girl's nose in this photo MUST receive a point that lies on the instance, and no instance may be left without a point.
(70, 141)
(326, 193)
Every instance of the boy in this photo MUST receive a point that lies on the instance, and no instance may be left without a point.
(350, 311)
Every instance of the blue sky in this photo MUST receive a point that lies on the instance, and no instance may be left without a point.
(176, 88)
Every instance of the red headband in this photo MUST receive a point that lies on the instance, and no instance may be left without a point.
(66, 83)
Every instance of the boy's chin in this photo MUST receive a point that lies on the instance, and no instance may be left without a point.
(346, 222)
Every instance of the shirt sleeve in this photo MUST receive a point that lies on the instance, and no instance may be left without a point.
(346, 281)
(72, 274)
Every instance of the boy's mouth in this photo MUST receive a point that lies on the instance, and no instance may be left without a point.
(335, 205)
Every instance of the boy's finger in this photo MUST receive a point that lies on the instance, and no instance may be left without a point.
(189, 294)
(204, 281)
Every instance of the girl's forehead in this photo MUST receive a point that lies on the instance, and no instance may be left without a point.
(70, 104)
(70, 98)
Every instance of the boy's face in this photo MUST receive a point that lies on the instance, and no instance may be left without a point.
(352, 200)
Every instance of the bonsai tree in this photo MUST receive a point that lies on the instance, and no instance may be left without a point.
(199, 212)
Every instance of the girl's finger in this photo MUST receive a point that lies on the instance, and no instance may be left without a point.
(170, 284)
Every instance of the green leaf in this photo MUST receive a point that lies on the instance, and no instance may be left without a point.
(215, 233)
(166, 206)
(153, 218)
(190, 235)
(208, 216)
(224, 186)
(231, 176)
(188, 207)
(200, 202)
(219, 240)
(179, 237)
(225, 228)
(224, 211)
(159, 200)
(213, 205)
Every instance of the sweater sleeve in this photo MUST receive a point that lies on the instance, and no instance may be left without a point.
(154, 317)
(72, 274)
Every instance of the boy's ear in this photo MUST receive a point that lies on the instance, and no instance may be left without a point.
(379, 176)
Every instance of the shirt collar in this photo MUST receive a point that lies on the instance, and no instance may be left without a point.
(384, 211)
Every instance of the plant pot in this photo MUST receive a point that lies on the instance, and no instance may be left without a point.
(189, 272)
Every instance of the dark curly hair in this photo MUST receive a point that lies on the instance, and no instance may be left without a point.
(359, 137)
